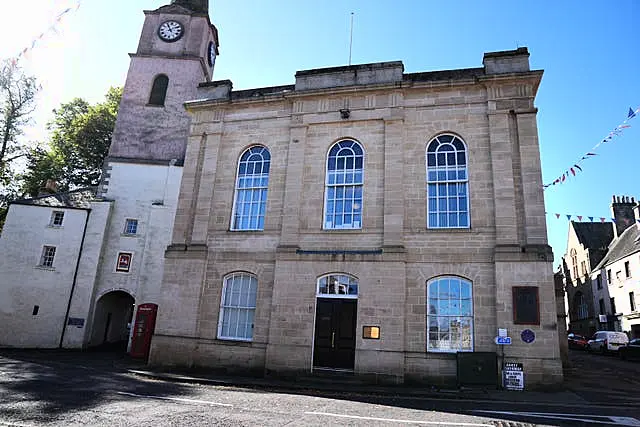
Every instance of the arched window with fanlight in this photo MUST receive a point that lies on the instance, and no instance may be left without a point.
(337, 286)
(447, 183)
(250, 200)
(449, 314)
(343, 186)
(159, 90)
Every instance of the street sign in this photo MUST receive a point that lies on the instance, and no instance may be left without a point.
(503, 340)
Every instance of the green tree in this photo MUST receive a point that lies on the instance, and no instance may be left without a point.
(17, 102)
(80, 135)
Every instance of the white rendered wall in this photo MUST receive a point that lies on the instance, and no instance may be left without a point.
(148, 193)
(83, 294)
(24, 284)
(622, 285)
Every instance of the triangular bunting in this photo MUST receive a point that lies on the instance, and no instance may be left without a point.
(590, 218)
(558, 216)
(602, 219)
(568, 216)
(578, 167)
(632, 114)
(579, 217)
(573, 171)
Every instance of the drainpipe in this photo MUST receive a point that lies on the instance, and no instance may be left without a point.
(75, 278)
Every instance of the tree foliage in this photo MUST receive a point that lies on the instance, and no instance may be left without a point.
(17, 102)
(80, 135)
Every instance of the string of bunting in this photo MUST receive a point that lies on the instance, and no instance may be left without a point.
(52, 28)
(617, 131)
(590, 218)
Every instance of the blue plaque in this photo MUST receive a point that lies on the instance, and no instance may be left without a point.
(528, 336)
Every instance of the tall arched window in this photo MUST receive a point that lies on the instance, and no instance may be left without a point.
(343, 186)
(574, 262)
(159, 90)
(449, 314)
(237, 307)
(447, 183)
(250, 201)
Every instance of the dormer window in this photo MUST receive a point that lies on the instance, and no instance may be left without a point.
(159, 90)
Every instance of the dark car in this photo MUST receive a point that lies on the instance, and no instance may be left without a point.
(577, 341)
(631, 350)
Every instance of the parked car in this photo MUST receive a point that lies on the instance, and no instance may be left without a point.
(631, 350)
(604, 341)
(577, 341)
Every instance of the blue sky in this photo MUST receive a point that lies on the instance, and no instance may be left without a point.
(590, 51)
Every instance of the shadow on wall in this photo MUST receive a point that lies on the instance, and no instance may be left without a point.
(112, 320)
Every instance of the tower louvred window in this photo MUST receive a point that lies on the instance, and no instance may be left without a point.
(159, 90)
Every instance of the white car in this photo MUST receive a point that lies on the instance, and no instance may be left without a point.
(604, 341)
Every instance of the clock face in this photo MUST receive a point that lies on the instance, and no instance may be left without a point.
(212, 54)
(170, 31)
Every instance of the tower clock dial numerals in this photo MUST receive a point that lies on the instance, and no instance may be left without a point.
(170, 31)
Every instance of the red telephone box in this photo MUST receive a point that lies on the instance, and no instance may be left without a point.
(143, 330)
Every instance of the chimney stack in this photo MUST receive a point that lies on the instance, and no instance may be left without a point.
(622, 209)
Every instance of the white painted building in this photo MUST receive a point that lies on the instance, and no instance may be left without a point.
(77, 284)
(619, 270)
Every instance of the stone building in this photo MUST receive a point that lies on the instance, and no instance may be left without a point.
(620, 269)
(363, 220)
(587, 244)
(594, 251)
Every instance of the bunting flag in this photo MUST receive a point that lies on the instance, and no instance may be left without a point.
(617, 131)
(591, 218)
(52, 28)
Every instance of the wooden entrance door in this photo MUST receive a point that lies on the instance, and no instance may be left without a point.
(335, 335)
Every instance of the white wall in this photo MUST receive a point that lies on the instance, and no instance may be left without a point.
(149, 194)
(83, 294)
(620, 287)
(24, 284)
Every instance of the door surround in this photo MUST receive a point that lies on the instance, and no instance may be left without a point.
(336, 286)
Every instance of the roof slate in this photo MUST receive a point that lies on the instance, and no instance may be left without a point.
(79, 198)
(628, 243)
(594, 236)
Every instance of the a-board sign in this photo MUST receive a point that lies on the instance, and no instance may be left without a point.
(513, 376)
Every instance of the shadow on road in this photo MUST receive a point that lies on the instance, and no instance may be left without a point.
(40, 385)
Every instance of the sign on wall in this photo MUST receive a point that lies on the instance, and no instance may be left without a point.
(513, 376)
(526, 306)
(124, 262)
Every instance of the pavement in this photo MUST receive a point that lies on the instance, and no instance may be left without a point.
(570, 394)
(566, 397)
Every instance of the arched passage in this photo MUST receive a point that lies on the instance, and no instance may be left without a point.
(112, 320)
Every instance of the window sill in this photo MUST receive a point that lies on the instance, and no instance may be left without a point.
(449, 230)
(57, 227)
(342, 230)
(129, 235)
(155, 105)
(234, 341)
(44, 267)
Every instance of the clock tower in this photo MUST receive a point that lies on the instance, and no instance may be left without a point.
(176, 52)
(143, 171)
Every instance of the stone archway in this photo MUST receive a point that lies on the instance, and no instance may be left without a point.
(112, 320)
